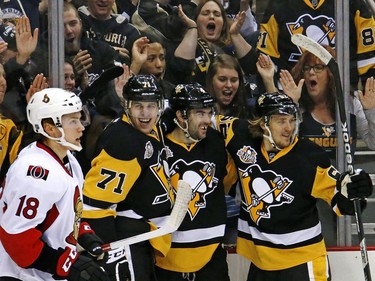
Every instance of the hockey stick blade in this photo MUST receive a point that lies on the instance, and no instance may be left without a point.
(174, 220)
(313, 47)
(319, 51)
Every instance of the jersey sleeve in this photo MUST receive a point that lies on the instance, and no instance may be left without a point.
(269, 32)
(364, 23)
(324, 187)
(107, 183)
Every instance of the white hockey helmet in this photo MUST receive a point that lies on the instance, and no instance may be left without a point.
(53, 103)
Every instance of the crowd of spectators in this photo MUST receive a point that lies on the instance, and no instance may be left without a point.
(215, 43)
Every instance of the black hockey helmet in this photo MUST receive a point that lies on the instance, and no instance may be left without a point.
(142, 88)
(190, 96)
(275, 103)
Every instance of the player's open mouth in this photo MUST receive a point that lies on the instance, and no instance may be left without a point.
(144, 120)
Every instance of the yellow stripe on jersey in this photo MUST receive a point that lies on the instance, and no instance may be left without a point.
(319, 268)
(187, 259)
(324, 184)
(161, 244)
(98, 214)
(108, 179)
(365, 41)
(268, 258)
(265, 45)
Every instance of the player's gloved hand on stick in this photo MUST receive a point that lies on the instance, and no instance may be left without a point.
(355, 186)
(89, 241)
(117, 265)
(75, 267)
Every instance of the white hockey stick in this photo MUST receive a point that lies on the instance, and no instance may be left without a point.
(319, 51)
(174, 220)
(371, 5)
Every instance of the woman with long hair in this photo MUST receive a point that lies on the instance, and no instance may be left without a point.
(225, 82)
(209, 34)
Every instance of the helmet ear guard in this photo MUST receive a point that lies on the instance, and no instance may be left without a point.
(52, 103)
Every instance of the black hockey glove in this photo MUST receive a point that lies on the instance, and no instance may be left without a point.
(75, 267)
(117, 265)
(355, 186)
(89, 241)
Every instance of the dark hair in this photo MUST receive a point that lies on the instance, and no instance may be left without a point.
(306, 101)
(224, 36)
(238, 105)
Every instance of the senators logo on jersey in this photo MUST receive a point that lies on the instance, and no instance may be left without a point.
(78, 207)
(201, 177)
(263, 191)
(37, 172)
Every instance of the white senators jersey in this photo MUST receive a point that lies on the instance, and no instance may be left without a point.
(41, 203)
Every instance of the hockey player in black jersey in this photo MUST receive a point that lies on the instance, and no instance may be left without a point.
(126, 191)
(281, 178)
(198, 156)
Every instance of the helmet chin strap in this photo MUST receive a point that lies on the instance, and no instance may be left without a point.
(61, 140)
(185, 130)
(270, 138)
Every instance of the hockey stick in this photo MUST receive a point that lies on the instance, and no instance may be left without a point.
(371, 5)
(319, 51)
(174, 220)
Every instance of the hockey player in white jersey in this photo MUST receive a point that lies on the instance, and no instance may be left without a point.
(41, 200)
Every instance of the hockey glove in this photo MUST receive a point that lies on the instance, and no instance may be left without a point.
(89, 241)
(117, 265)
(355, 186)
(75, 267)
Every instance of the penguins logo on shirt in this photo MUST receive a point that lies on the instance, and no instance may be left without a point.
(328, 130)
(201, 177)
(321, 28)
(263, 190)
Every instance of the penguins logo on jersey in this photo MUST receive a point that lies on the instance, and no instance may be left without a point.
(321, 28)
(201, 177)
(263, 190)
(161, 172)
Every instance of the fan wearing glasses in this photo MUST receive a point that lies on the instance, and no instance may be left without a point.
(316, 96)
(311, 84)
